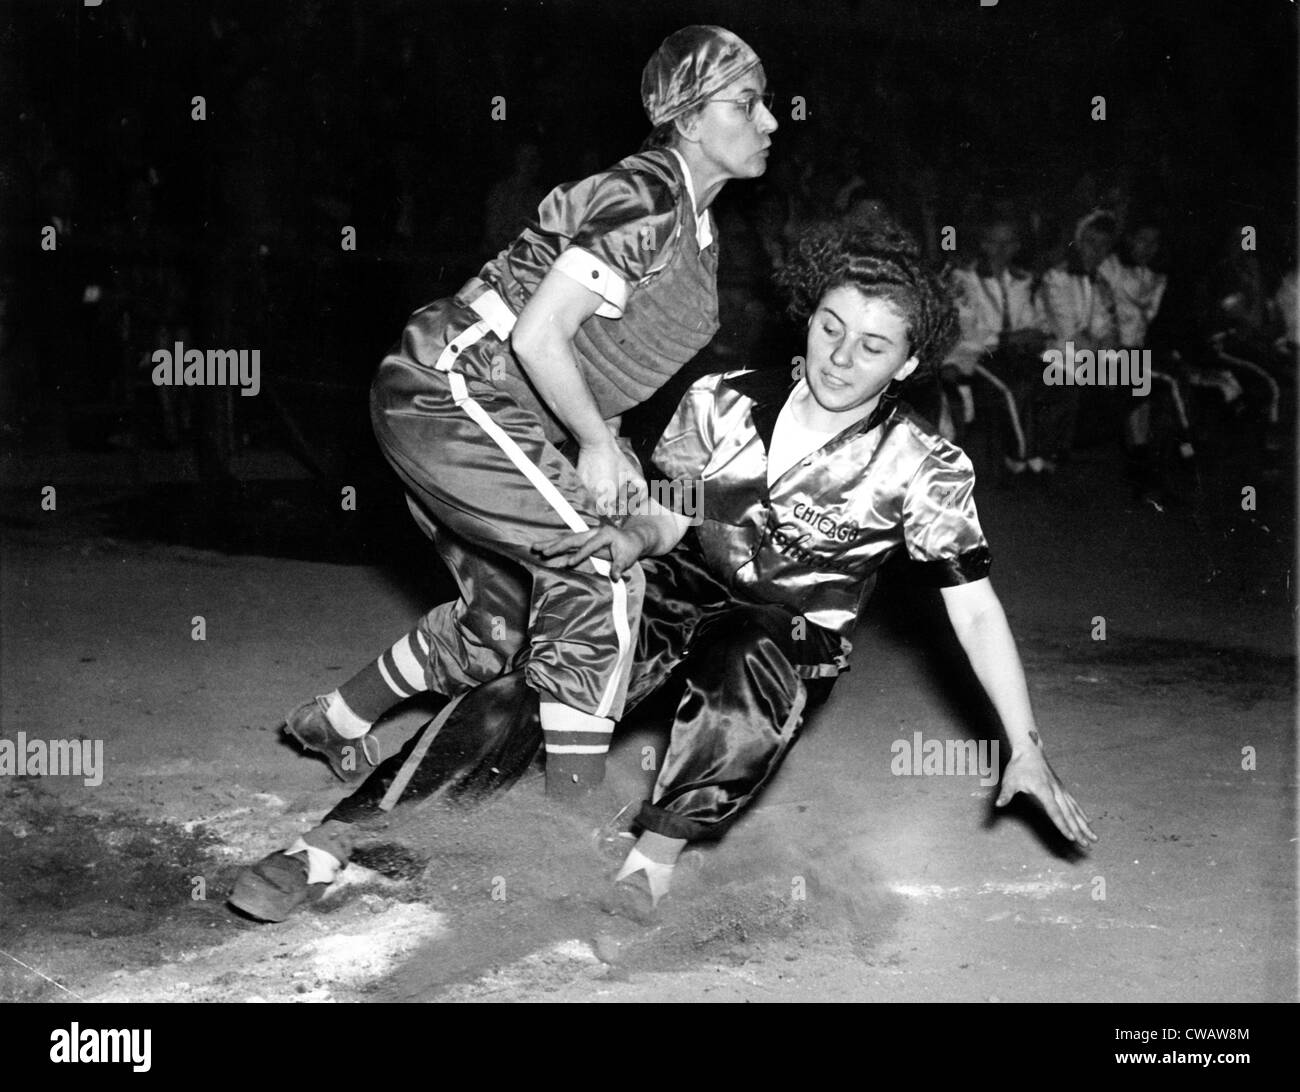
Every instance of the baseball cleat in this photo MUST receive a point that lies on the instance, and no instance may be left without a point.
(274, 887)
(350, 759)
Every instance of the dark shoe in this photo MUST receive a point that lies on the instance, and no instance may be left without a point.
(274, 887)
(350, 759)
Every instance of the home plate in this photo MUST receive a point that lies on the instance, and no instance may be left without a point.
(1032, 889)
(363, 955)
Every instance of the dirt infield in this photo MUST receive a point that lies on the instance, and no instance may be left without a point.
(847, 881)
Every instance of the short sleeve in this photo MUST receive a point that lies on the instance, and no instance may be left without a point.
(617, 225)
(941, 528)
(687, 443)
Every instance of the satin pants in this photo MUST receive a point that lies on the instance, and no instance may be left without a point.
(486, 484)
(731, 669)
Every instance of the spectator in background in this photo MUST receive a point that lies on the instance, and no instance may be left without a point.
(1234, 295)
(1137, 287)
(1242, 329)
(1079, 310)
(1139, 291)
(1002, 338)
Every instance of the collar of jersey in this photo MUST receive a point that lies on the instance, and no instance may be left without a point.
(768, 388)
(703, 228)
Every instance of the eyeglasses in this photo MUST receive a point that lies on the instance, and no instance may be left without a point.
(750, 102)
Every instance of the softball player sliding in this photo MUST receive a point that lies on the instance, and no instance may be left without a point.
(584, 316)
(805, 493)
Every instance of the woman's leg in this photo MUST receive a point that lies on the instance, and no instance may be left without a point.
(453, 648)
(477, 463)
(742, 706)
(485, 482)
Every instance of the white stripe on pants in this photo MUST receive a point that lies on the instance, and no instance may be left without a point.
(460, 394)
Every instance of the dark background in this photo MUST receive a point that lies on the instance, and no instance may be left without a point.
(378, 115)
(225, 233)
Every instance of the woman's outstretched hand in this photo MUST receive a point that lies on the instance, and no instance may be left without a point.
(1029, 772)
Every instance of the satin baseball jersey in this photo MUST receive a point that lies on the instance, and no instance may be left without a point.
(814, 541)
(632, 235)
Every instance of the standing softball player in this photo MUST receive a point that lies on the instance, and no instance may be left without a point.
(585, 315)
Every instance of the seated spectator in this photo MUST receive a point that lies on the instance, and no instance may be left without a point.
(1137, 287)
(1139, 291)
(1242, 331)
(1079, 310)
(1002, 336)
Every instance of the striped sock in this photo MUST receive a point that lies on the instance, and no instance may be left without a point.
(576, 745)
(397, 675)
(344, 720)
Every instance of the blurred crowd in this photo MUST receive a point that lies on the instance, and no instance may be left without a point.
(149, 206)
(1188, 330)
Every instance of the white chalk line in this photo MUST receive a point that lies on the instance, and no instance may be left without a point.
(47, 978)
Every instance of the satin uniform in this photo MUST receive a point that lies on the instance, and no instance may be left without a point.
(747, 621)
(478, 453)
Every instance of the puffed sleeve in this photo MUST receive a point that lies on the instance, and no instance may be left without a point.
(687, 443)
(616, 227)
(940, 525)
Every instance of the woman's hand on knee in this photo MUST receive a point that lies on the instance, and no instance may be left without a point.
(622, 549)
(613, 479)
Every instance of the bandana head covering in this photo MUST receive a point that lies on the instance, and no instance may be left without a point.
(691, 65)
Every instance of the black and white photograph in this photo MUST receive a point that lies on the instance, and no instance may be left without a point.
(619, 502)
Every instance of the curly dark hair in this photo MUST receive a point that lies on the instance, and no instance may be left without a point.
(882, 261)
